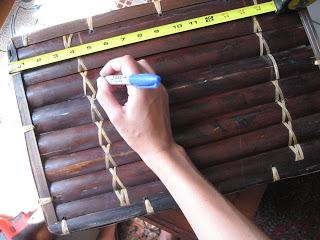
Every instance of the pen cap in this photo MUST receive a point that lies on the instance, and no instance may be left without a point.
(145, 80)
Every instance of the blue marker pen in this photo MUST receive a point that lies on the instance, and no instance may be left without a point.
(142, 80)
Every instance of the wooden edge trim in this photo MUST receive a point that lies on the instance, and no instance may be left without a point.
(102, 20)
(31, 142)
(114, 215)
(311, 32)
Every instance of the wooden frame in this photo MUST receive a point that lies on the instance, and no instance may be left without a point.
(101, 218)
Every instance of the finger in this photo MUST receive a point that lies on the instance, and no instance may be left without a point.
(136, 93)
(126, 65)
(145, 66)
(107, 100)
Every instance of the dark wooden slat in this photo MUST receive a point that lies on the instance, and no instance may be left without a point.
(250, 119)
(115, 215)
(138, 173)
(119, 15)
(77, 112)
(89, 161)
(109, 200)
(141, 23)
(203, 108)
(85, 136)
(219, 79)
(250, 171)
(164, 62)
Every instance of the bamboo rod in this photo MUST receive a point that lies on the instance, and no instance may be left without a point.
(255, 142)
(225, 51)
(137, 24)
(226, 177)
(109, 200)
(86, 137)
(233, 124)
(76, 164)
(98, 181)
(119, 15)
(181, 59)
(247, 168)
(202, 108)
(77, 112)
(211, 80)
(221, 78)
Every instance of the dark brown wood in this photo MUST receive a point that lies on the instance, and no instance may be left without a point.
(119, 214)
(275, 136)
(233, 124)
(211, 80)
(78, 138)
(251, 170)
(141, 23)
(65, 115)
(237, 123)
(120, 15)
(202, 108)
(34, 155)
(221, 51)
(77, 112)
(229, 124)
(59, 90)
(33, 151)
(138, 173)
(99, 182)
(87, 161)
(85, 136)
(136, 193)
(171, 62)
(283, 159)
(254, 142)
(221, 78)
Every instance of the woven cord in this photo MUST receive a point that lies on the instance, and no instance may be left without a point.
(148, 206)
(27, 128)
(104, 141)
(157, 5)
(286, 117)
(90, 24)
(67, 40)
(64, 227)
(24, 39)
(275, 174)
(263, 45)
(44, 201)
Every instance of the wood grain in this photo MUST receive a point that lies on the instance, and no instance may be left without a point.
(219, 79)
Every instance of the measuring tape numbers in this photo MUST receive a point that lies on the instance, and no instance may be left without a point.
(140, 36)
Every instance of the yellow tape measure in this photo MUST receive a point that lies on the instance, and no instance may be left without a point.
(140, 36)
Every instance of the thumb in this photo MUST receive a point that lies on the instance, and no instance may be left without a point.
(107, 100)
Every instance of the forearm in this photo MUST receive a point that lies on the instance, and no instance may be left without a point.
(209, 214)
(144, 122)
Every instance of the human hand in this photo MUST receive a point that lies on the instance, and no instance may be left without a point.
(143, 121)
